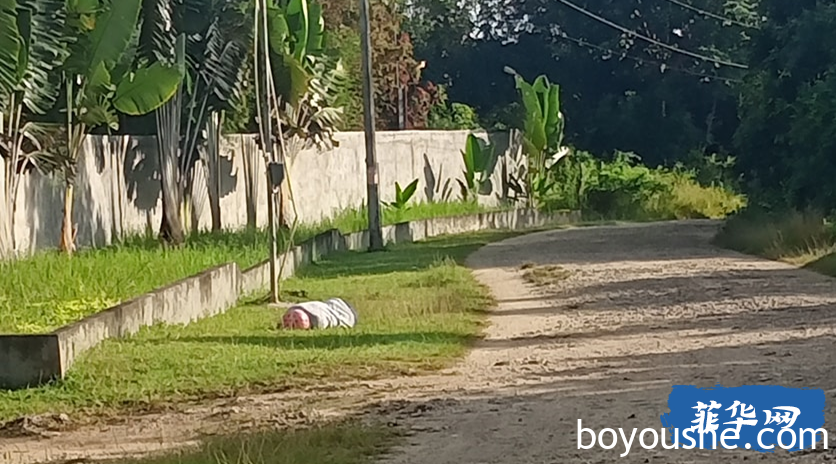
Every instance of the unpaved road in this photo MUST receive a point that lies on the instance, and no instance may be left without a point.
(645, 307)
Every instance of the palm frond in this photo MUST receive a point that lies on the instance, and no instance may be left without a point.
(43, 148)
(48, 49)
(157, 36)
(10, 45)
(222, 60)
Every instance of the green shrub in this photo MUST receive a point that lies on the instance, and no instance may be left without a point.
(445, 115)
(626, 189)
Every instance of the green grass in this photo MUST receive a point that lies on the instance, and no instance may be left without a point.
(419, 309)
(340, 443)
(46, 291)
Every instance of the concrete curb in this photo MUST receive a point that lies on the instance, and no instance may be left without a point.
(32, 360)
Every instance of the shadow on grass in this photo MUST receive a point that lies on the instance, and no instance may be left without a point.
(322, 340)
(403, 258)
(825, 265)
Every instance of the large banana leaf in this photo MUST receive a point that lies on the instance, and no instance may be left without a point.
(554, 119)
(290, 77)
(115, 28)
(24, 27)
(298, 22)
(147, 89)
(278, 31)
(10, 47)
(534, 126)
(316, 30)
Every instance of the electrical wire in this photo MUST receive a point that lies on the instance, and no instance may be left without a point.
(645, 61)
(623, 29)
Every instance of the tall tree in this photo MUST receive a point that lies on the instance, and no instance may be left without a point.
(217, 35)
(788, 121)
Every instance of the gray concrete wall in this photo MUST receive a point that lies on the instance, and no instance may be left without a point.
(204, 295)
(32, 360)
(118, 190)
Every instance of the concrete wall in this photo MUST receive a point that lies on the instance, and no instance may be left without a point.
(118, 189)
(33, 360)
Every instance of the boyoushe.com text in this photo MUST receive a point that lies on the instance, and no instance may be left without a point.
(767, 438)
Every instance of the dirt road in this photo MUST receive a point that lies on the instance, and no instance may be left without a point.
(644, 307)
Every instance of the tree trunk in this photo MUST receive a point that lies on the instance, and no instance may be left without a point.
(171, 227)
(215, 209)
(68, 229)
(168, 150)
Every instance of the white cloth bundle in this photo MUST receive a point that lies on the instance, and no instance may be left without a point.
(330, 313)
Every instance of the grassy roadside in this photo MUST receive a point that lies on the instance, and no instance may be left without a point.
(341, 443)
(805, 239)
(419, 310)
(46, 291)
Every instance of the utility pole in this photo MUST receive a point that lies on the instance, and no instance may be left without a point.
(373, 190)
(401, 111)
(273, 173)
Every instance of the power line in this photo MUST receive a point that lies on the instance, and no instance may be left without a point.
(653, 41)
(709, 14)
(644, 61)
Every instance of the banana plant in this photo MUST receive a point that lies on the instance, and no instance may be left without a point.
(31, 50)
(304, 78)
(403, 195)
(543, 126)
(296, 36)
(100, 81)
(479, 162)
(305, 82)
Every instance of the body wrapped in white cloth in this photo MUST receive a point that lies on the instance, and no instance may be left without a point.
(334, 312)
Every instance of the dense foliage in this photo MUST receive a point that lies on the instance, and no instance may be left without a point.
(670, 80)
(728, 94)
